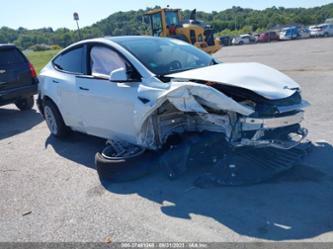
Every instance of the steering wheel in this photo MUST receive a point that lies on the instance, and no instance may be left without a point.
(174, 65)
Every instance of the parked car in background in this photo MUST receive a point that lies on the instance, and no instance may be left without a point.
(268, 36)
(226, 40)
(243, 39)
(304, 33)
(329, 20)
(18, 78)
(289, 33)
(322, 30)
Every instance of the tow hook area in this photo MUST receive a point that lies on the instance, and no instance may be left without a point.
(216, 161)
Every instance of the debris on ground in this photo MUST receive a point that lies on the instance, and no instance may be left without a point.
(27, 213)
(222, 163)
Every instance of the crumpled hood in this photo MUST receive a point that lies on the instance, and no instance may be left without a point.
(256, 77)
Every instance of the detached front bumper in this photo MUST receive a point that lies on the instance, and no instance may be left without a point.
(250, 124)
(287, 139)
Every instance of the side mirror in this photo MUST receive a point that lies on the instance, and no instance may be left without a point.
(119, 75)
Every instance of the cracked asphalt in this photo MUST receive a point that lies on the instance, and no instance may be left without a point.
(49, 189)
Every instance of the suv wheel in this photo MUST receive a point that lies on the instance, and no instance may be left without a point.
(54, 120)
(25, 104)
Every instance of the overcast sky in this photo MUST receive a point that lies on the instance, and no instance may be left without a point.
(58, 13)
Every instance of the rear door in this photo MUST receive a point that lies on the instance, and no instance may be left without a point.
(68, 65)
(107, 108)
(14, 69)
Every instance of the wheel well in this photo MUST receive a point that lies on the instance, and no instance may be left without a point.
(47, 98)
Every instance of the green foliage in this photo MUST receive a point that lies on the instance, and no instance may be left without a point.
(55, 47)
(232, 21)
(40, 47)
(41, 58)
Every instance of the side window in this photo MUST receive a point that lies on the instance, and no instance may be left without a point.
(156, 22)
(70, 61)
(104, 60)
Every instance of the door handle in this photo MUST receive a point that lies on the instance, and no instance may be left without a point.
(56, 82)
(83, 89)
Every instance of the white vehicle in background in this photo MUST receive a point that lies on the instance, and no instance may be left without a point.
(322, 30)
(243, 39)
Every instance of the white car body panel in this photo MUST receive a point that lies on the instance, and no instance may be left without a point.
(256, 77)
(243, 39)
(107, 103)
(61, 88)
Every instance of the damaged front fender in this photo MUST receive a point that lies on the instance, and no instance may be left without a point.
(184, 107)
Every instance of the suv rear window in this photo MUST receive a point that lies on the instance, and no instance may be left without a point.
(11, 56)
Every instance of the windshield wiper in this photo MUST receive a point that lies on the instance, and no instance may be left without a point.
(179, 70)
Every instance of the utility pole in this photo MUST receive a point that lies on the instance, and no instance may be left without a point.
(76, 19)
(235, 22)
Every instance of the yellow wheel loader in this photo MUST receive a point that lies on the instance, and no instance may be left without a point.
(168, 22)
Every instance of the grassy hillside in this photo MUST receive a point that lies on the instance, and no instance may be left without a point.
(133, 22)
(40, 59)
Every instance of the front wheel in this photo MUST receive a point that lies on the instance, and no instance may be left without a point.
(54, 120)
(125, 164)
(25, 104)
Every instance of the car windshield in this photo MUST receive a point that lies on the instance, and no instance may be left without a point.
(164, 56)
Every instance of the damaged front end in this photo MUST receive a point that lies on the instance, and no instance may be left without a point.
(236, 136)
(238, 133)
(245, 118)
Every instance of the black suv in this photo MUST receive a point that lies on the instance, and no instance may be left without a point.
(18, 78)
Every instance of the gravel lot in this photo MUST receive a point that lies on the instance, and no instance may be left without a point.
(49, 189)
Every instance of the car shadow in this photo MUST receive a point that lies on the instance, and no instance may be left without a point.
(292, 206)
(13, 122)
(77, 147)
(295, 205)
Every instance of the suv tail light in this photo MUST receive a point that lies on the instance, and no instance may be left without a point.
(32, 71)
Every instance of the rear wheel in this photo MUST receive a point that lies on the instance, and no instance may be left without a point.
(54, 120)
(25, 103)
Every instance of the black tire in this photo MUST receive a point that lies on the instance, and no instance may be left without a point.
(241, 43)
(57, 125)
(125, 169)
(25, 103)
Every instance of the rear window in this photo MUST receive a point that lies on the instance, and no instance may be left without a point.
(11, 56)
(70, 61)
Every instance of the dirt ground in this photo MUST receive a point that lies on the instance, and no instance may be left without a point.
(49, 189)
